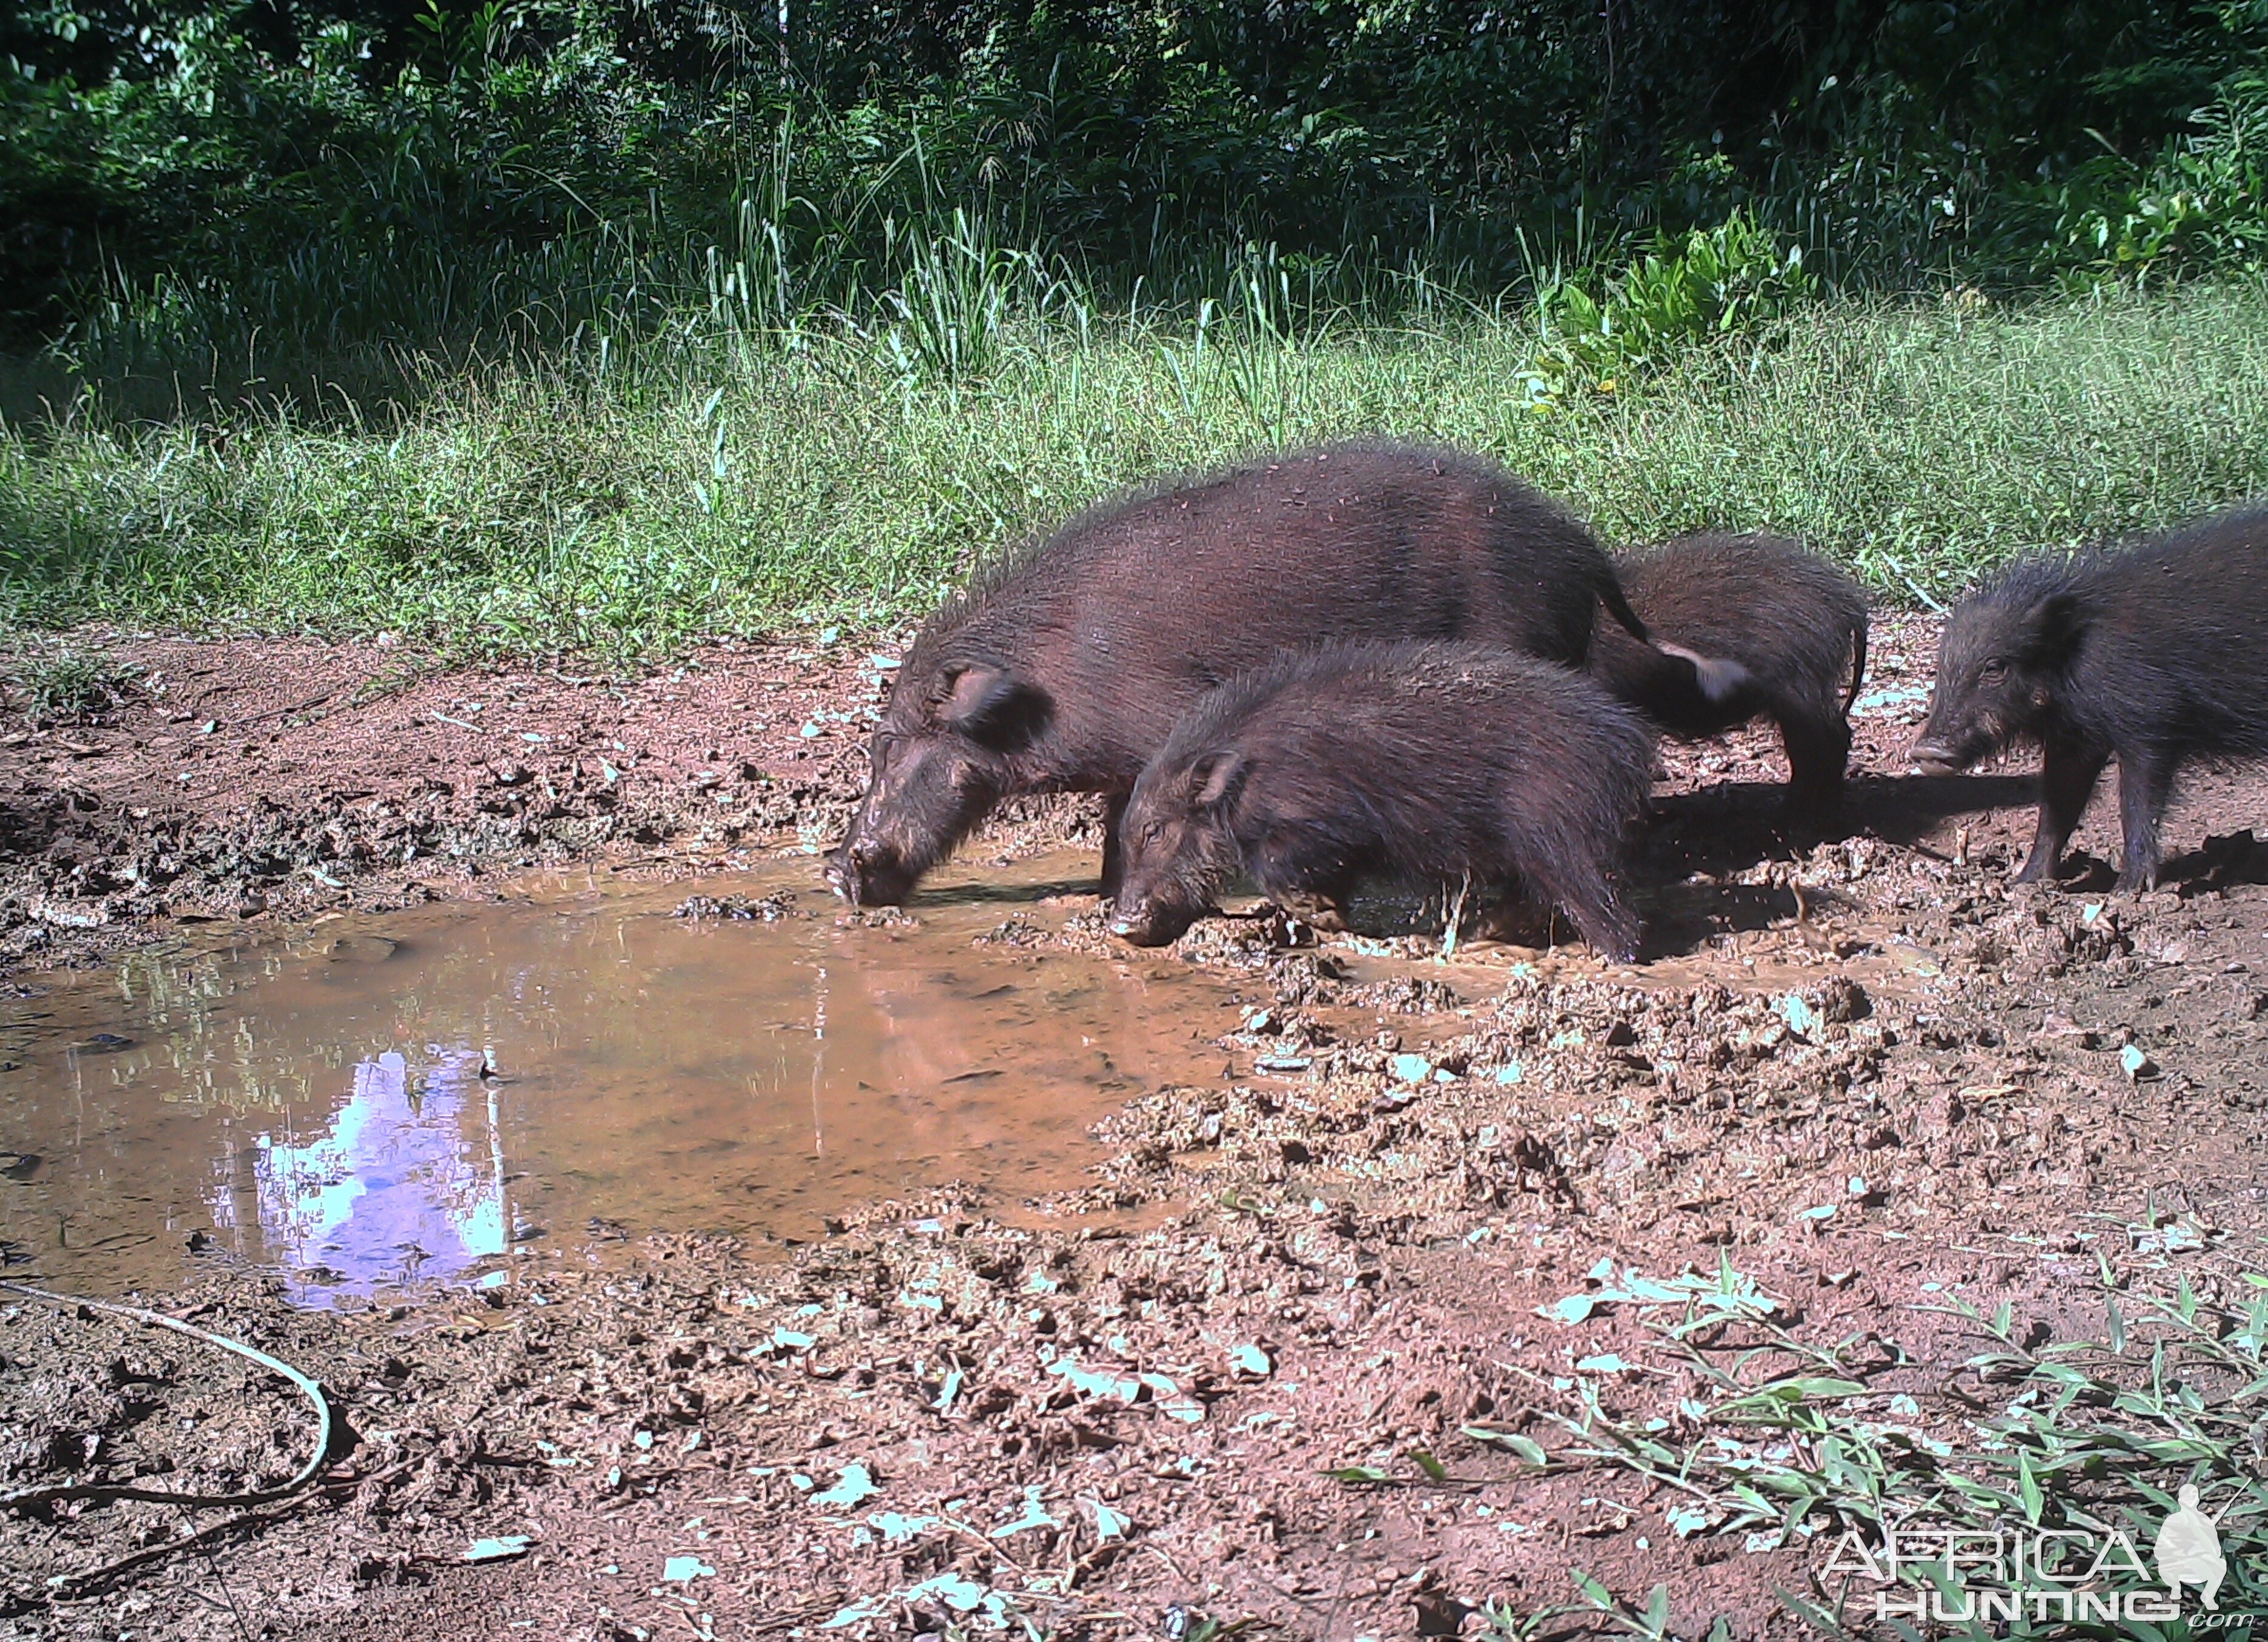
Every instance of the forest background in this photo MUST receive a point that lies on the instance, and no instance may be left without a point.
(585, 324)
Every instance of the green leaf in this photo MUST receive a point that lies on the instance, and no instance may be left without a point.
(1360, 1474)
(1816, 1386)
(1512, 1442)
(2027, 1487)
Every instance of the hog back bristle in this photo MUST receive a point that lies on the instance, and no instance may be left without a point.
(1431, 762)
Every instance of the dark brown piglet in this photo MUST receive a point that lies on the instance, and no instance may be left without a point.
(1794, 623)
(1066, 666)
(2154, 654)
(1415, 762)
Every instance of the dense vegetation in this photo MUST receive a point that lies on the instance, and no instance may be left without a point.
(615, 321)
(179, 176)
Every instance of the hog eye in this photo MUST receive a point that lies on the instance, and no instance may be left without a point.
(1993, 671)
(1154, 831)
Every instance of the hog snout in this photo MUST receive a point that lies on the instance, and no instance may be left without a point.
(1937, 758)
(1145, 924)
(869, 874)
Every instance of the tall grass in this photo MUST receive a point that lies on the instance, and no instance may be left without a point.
(749, 476)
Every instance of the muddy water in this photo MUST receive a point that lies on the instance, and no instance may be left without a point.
(373, 1101)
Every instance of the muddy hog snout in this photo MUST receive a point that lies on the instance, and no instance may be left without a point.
(869, 874)
(1147, 923)
(1167, 880)
(929, 785)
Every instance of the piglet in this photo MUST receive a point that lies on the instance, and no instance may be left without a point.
(1793, 624)
(2150, 654)
(1413, 761)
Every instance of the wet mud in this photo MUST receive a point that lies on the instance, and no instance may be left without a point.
(1269, 1352)
(380, 1101)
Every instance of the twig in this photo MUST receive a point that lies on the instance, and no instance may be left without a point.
(802, 1616)
(32, 1499)
(243, 1630)
(282, 712)
(73, 1588)
(1455, 913)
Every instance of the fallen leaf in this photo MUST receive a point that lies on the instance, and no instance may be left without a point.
(1118, 1387)
(1523, 1449)
(856, 1484)
(1574, 1309)
(1109, 1524)
(1035, 1515)
(504, 1548)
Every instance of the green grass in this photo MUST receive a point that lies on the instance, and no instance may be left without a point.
(726, 483)
(63, 684)
(1784, 1441)
(1833, 1448)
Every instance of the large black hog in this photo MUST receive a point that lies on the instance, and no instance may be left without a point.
(1410, 761)
(1795, 623)
(2156, 654)
(1063, 668)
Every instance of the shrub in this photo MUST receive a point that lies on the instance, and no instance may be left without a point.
(1724, 281)
(2202, 204)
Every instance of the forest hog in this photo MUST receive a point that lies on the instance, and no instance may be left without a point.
(1065, 666)
(2152, 654)
(1410, 761)
(1793, 621)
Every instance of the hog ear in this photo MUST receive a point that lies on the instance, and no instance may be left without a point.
(991, 706)
(2052, 629)
(1216, 779)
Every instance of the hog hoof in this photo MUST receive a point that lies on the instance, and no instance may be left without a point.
(1317, 912)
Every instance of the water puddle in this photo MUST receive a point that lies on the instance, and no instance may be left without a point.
(377, 1100)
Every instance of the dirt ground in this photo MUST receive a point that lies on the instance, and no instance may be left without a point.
(1290, 1360)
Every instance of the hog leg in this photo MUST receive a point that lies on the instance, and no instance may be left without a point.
(1312, 891)
(2144, 782)
(2068, 772)
(1113, 861)
(1589, 898)
(1818, 752)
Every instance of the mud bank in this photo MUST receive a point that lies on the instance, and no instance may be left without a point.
(1442, 1281)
